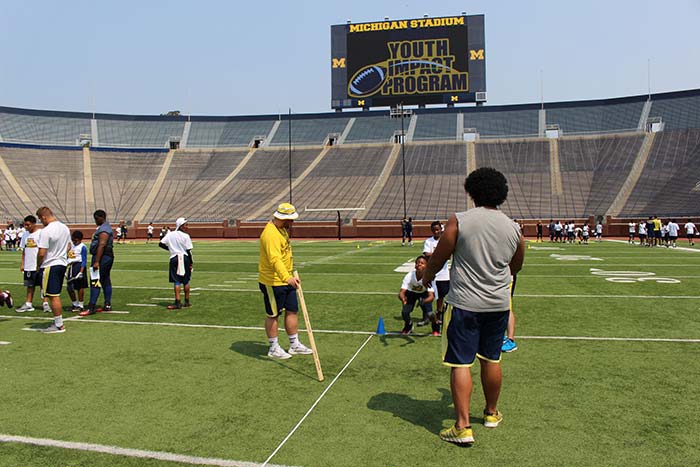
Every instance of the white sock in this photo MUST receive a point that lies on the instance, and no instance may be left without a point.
(274, 342)
(28, 303)
(58, 321)
(293, 339)
(75, 303)
(80, 304)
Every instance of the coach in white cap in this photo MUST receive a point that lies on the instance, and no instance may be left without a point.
(179, 244)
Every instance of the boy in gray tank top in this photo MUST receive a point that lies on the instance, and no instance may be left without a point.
(486, 249)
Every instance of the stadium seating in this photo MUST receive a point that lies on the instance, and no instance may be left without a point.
(526, 166)
(308, 131)
(667, 186)
(138, 134)
(574, 118)
(191, 176)
(41, 129)
(593, 171)
(122, 180)
(237, 133)
(343, 178)
(598, 152)
(51, 178)
(434, 178)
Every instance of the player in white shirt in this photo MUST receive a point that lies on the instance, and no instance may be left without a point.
(631, 229)
(412, 291)
(119, 234)
(642, 230)
(31, 277)
(586, 232)
(599, 231)
(672, 232)
(690, 231)
(442, 278)
(149, 235)
(77, 271)
(52, 258)
(179, 244)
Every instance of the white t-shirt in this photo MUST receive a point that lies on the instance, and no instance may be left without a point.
(631, 226)
(150, 229)
(75, 255)
(599, 228)
(119, 231)
(429, 246)
(178, 242)
(585, 230)
(642, 228)
(414, 285)
(690, 228)
(55, 237)
(29, 244)
(672, 229)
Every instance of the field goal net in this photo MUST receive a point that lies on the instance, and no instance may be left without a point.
(339, 219)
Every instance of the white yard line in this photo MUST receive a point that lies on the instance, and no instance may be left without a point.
(115, 450)
(141, 304)
(313, 406)
(5, 343)
(331, 331)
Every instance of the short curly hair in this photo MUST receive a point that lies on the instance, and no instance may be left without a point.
(487, 187)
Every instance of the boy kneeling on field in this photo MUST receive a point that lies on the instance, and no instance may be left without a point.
(412, 290)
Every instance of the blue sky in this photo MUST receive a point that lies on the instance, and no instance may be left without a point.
(219, 57)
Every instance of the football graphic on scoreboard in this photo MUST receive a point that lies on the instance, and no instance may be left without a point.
(367, 81)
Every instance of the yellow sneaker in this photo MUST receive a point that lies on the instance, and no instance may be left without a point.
(457, 436)
(492, 420)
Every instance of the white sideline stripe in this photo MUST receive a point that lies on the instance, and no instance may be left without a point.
(115, 450)
(140, 304)
(313, 406)
(362, 333)
(5, 343)
(633, 339)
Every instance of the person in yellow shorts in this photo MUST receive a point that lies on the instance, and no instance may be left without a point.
(277, 283)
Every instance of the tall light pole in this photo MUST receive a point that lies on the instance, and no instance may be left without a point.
(403, 162)
(289, 157)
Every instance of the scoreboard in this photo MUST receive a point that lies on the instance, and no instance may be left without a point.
(410, 62)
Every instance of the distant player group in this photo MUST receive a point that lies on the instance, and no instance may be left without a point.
(655, 232)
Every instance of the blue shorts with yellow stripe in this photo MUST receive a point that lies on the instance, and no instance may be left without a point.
(467, 335)
(52, 280)
(279, 298)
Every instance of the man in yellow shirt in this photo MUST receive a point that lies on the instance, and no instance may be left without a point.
(277, 283)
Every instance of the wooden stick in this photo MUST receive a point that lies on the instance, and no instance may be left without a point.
(319, 371)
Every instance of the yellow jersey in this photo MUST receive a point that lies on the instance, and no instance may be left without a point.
(276, 262)
(657, 224)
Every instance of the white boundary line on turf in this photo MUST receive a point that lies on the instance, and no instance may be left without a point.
(313, 406)
(115, 450)
(360, 292)
(633, 339)
(330, 331)
(5, 343)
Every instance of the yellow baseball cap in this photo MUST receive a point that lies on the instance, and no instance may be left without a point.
(286, 211)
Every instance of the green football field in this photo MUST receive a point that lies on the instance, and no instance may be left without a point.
(606, 373)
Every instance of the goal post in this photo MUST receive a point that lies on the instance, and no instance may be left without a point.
(337, 211)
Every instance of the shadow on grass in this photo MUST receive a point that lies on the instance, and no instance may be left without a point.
(430, 414)
(258, 351)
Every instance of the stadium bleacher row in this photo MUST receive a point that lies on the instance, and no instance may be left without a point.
(677, 110)
(603, 161)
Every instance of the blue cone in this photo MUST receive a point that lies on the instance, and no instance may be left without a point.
(380, 327)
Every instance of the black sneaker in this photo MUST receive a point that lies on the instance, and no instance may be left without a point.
(187, 304)
(423, 322)
(175, 306)
(408, 327)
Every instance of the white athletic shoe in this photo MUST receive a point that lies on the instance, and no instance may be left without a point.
(300, 349)
(47, 307)
(278, 353)
(24, 308)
